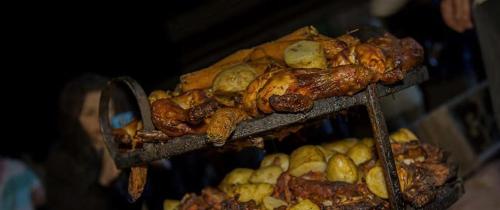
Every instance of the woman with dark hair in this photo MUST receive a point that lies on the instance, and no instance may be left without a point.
(80, 171)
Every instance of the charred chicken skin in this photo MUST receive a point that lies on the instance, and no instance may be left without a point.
(300, 179)
(286, 75)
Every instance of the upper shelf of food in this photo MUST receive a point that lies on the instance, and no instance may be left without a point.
(301, 76)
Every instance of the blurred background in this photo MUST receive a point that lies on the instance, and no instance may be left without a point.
(52, 43)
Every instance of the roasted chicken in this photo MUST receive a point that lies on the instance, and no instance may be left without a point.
(311, 177)
(286, 75)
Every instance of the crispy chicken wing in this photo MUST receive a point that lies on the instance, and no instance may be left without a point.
(223, 123)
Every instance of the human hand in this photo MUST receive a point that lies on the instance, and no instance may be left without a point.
(457, 14)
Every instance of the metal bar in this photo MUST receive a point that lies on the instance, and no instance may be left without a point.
(104, 121)
(261, 126)
(383, 146)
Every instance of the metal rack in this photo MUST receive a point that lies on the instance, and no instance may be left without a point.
(258, 127)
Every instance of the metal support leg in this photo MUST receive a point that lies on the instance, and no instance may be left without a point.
(383, 146)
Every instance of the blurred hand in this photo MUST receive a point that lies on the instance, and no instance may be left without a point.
(457, 14)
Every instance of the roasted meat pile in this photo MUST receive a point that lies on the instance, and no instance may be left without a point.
(343, 174)
(286, 75)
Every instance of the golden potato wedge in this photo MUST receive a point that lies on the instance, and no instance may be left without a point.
(370, 142)
(235, 177)
(271, 203)
(360, 153)
(305, 205)
(255, 192)
(341, 146)
(234, 79)
(305, 54)
(171, 204)
(403, 135)
(376, 183)
(269, 175)
(341, 168)
(306, 159)
(238, 176)
(278, 159)
(326, 152)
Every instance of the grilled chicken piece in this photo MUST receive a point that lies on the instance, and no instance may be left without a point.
(137, 181)
(169, 118)
(193, 202)
(214, 197)
(329, 195)
(197, 114)
(295, 91)
(223, 123)
(234, 204)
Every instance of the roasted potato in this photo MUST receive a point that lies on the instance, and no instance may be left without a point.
(341, 168)
(341, 146)
(305, 54)
(405, 178)
(403, 135)
(271, 203)
(234, 79)
(255, 192)
(376, 182)
(306, 159)
(268, 174)
(370, 142)
(326, 152)
(236, 176)
(171, 204)
(278, 159)
(305, 205)
(157, 95)
(360, 153)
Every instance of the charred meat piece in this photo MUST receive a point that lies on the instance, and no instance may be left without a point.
(169, 118)
(234, 204)
(198, 113)
(291, 102)
(223, 123)
(193, 202)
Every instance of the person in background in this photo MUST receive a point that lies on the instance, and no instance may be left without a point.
(80, 172)
(20, 188)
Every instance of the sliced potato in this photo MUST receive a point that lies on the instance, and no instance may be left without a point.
(236, 176)
(269, 175)
(306, 159)
(305, 54)
(278, 159)
(360, 153)
(255, 192)
(234, 79)
(305, 205)
(403, 135)
(271, 203)
(341, 168)
(326, 152)
(341, 146)
(370, 142)
(376, 183)
(171, 204)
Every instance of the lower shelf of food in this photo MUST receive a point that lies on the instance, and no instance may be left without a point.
(342, 174)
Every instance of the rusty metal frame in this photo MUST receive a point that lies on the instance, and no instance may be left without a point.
(258, 127)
